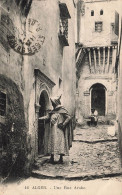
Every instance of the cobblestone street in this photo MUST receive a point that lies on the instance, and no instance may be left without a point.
(94, 154)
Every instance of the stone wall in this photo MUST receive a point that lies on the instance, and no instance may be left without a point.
(88, 35)
(119, 105)
(13, 129)
(53, 62)
(119, 91)
(98, 65)
(68, 64)
(86, 81)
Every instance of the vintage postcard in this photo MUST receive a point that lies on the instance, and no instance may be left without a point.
(60, 97)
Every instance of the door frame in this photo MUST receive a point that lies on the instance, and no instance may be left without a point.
(42, 83)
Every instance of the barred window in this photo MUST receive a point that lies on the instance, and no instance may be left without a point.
(2, 104)
(64, 27)
(98, 26)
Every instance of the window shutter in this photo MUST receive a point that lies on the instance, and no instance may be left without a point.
(64, 12)
(116, 23)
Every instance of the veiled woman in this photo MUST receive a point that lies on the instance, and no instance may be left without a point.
(60, 137)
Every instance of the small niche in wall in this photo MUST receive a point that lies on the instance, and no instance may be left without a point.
(60, 82)
(92, 12)
(101, 12)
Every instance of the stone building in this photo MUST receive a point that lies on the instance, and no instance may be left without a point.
(119, 83)
(96, 51)
(37, 52)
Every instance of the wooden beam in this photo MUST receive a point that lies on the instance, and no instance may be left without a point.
(94, 60)
(103, 59)
(89, 51)
(78, 55)
(114, 52)
(99, 59)
(108, 59)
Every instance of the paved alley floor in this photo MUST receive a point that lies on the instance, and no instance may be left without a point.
(94, 154)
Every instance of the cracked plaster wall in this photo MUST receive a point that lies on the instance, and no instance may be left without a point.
(52, 59)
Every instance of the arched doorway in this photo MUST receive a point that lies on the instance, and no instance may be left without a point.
(98, 98)
(43, 102)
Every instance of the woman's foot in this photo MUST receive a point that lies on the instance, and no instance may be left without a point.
(60, 160)
(51, 159)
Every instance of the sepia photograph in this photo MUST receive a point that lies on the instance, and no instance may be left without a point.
(60, 97)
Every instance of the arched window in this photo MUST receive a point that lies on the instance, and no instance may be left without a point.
(92, 12)
(101, 12)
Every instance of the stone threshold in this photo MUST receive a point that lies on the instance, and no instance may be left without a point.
(41, 161)
(39, 175)
(97, 141)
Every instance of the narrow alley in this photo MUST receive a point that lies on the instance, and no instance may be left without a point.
(60, 96)
(94, 154)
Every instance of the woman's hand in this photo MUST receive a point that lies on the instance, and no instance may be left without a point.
(44, 118)
(61, 126)
(41, 118)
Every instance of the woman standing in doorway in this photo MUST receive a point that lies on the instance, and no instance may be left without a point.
(60, 132)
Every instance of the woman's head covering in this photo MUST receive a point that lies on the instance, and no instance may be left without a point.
(56, 100)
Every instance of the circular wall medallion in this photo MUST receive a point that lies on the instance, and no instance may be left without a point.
(28, 41)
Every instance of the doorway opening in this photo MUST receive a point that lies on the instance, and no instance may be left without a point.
(98, 98)
(43, 102)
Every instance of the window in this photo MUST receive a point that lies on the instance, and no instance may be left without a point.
(63, 28)
(92, 13)
(112, 27)
(101, 12)
(98, 26)
(114, 37)
(116, 29)
(2, 104)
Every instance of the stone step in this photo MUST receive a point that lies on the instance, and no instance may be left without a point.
(70, 176)
(92, 141)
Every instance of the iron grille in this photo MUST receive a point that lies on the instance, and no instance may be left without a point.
(64, 27)
(98, 26)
